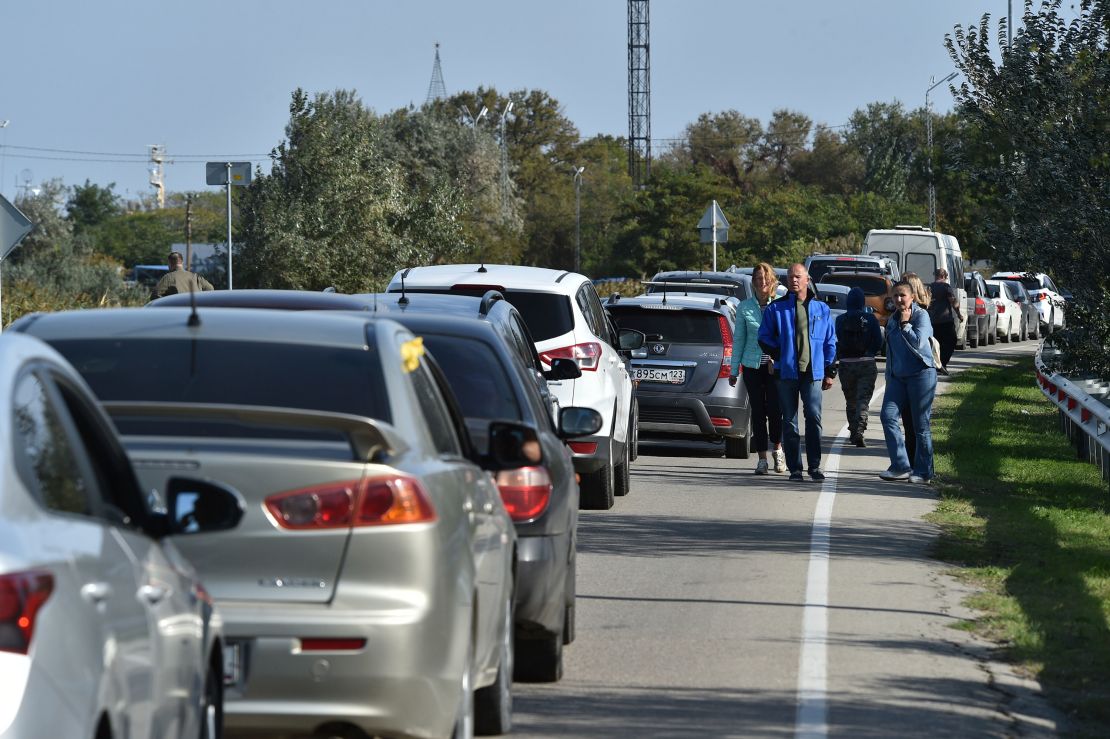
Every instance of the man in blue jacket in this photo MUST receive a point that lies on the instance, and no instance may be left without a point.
(798, 333)
(858, 340)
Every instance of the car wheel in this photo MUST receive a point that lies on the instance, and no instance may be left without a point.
(972, 342)
(634, 432)
(540, 660)
(212, 705)
(737, 447)
(464, 720)
(493, 704)
(571, 594)
(622, 475)
(992, 336)
(1005, 336)
(597, 489)
(1036, 331)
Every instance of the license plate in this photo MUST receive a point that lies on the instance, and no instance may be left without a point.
(652, 374)
(233, 662)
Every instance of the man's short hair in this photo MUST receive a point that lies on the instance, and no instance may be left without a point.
(941, 274)
(175, 256)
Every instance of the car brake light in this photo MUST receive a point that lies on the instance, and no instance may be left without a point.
(582, 447)
(726, 342)
(331, 645)
(22, 595)
(588, 355)
(980, 307)
(719, 421)
(1037, 297)
(525, 491)
(1001, 307)
(373, 502)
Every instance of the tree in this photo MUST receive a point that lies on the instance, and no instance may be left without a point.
(89, 205)
(886, 139)
(786, 136)
(726, 142)
(1038, 126)
(51, 230)
(830, 164)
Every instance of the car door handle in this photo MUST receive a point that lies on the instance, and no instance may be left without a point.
(153, 594)
(96, 592)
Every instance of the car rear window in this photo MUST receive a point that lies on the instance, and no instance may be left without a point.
(320, 378)
(1030, 283)
(869, 285)
(992, 291)
(547, 314)
(685, 326)
(818, 268)
(476, 374)
(728, 289)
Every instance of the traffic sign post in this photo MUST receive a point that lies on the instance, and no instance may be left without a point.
(13, 227)
(228, 174)
(713, 227)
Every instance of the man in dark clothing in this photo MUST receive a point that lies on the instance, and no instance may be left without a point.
(944, 310)
(798, 333)
(179, 279)
(858, 340)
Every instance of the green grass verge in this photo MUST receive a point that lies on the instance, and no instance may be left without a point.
(1029, 523)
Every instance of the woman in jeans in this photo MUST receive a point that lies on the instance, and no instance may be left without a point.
(759, 378)
(911, 380)
(922, 297)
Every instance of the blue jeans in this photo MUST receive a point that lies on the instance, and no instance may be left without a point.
(916, 392)
(809, 390)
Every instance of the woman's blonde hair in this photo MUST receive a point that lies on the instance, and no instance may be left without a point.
(768, 273)
(921, 294)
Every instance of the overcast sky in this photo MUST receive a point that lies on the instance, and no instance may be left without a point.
(211, 78)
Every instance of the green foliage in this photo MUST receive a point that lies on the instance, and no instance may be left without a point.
(51, 229)
(90, 205)
(1037, 131)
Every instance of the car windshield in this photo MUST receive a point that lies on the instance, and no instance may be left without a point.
(477, 376)
(681, 287)
(681, 326)
(288, 375)
(869, 285)
(547, 314)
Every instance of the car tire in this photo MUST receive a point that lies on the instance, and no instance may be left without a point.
(570, 595)
(972, 342)
(634, 432)
(596, 492)
(493, 704)
(464, 720)
(1006, 335)
(1036, 332)
(737, 447)
(622, 476)
(212, 705)
(992, 336)
(539, 660)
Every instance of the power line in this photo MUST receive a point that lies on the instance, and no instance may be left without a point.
(141, 157)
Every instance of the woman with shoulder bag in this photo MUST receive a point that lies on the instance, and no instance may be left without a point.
(911, 382)
(759, 376)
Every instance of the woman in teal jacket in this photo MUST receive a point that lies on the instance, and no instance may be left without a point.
(759, 377)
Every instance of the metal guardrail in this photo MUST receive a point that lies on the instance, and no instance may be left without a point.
(1084, 411)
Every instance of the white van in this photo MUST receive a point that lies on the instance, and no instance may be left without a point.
(921, 251)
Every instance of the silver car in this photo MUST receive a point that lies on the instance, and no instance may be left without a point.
(369, 587)
(105, 630)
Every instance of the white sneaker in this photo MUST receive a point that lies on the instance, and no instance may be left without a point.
(780, 460)
(919, 480)
(889, 474)
(761, 467)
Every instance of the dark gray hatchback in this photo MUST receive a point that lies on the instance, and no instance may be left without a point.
(682, 370)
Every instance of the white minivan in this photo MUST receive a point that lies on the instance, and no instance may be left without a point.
(921, 251)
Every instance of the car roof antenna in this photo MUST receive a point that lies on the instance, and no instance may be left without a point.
(664, 291)
(482, 266)
(194, 318)
(404, 298)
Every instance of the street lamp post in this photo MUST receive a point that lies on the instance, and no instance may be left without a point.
(3, 151)
(929, 148)
(578, 217)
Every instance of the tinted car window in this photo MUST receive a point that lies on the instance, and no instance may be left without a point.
(435, 412)
(547, 315)
(321, 378)
(728, 289)
(992, 291)
(1029, 283)
(481, 386)
(922, 264)
(869, 285)
(820, 267)
(685, 326)
(44, 454)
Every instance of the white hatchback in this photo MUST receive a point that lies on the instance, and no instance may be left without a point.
(1046, 297)
(567, 320)
(104, 629)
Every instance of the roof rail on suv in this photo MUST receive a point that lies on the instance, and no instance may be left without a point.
(911, 228)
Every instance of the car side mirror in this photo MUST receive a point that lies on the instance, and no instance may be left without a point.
(200, 506)
(563, 368)
(575, 422)
(511, 445)
(630, 338)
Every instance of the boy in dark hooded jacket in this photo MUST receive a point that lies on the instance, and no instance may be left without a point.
(858, 340)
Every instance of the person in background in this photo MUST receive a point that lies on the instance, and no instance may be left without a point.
(798, 333)
(179, 279)
(758, 369)
(858, 340)
(911, 379)
(944, 311)
(922, 297)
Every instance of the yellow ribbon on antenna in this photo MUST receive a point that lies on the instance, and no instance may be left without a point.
(411, 352)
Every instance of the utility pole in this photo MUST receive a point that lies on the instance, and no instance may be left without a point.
(157, 175)
(578, 217)
(189, 232)
(929, 149)
(639, 93)
(505, 161)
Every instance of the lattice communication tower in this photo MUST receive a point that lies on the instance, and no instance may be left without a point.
(639, 93)
(436, 89)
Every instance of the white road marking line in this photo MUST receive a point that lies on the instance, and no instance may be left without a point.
(811, 720)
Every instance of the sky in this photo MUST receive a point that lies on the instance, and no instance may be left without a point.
(87, 86)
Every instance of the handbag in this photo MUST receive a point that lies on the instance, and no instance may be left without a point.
(935, 346)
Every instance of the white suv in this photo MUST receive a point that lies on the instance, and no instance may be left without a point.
(567, 320)
(1046, 298)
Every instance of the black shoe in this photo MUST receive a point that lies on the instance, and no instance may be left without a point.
(796, 477)
(816, 474)
(858, 440)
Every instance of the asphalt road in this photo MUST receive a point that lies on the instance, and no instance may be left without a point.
(714, 603)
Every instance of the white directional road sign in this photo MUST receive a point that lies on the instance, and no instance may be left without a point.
(217, 173)
(13, 227)
(713, 226)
